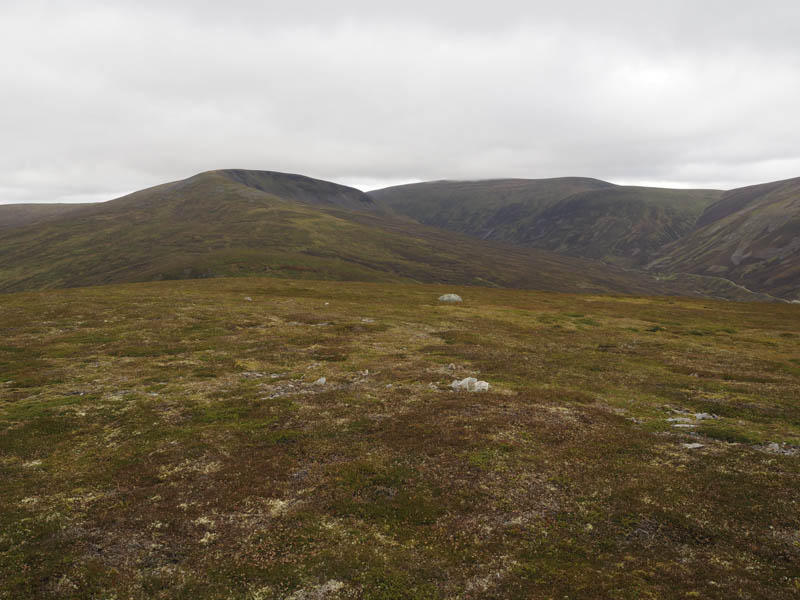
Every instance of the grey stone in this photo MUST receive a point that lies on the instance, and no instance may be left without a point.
(317, 592)
(470, 384)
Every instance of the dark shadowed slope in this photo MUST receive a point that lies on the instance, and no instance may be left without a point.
(305, 189)
(576, 216)
(18, 215)
(226, 223)
(482, 208)
(751, 236)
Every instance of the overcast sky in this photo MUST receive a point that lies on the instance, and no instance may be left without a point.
(100, 98)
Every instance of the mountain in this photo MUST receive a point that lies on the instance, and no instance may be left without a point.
(239, 223)
(565, 234)
(624, 225)
(18, 215)
(751, 236)
(747, 238)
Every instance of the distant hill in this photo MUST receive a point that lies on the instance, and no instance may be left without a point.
(234, 222)
(750, 236)
(18, 215)
(566, 234)
(623, 225)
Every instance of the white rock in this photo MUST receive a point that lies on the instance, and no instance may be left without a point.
(464, 384)
(470, 384)
(685, 425)
(321, 381)
(450, 298)
(693, 446)
(318, 592)
(248, 299)
(773, 447)
(481, 386)
(703, 416)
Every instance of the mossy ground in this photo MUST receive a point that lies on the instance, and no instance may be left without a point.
(166, 440)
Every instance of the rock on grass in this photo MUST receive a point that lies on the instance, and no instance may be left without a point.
(470, 384)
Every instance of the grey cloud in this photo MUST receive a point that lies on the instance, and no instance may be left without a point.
(102, 98)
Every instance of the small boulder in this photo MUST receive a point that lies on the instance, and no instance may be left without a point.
(481, 386)
(321, 381)
(318, 592)
(470, 384)
(450, 298)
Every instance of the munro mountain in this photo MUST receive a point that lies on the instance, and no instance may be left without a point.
(239, 223)
(749, 236)
(570, 215)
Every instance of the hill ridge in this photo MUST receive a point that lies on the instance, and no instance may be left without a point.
(536, 233)
(211, 224)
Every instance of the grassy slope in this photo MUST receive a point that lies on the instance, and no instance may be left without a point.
(478, 206)
(19, 215)
(751, 236)
(625, 225)
(164, 440)
(240, 223)
(579, 217)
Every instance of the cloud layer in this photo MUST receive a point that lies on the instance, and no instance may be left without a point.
(102, 98)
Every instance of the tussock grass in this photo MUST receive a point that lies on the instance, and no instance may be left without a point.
(166, 440)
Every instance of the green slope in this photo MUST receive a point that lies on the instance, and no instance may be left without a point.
(575, 216)
(232, 223)
(19, 215)
(751, 236)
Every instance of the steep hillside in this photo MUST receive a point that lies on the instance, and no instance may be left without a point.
(750, 236)
(224, 223)
(574, 216)
(481, 207)
(18, 215)
(625, 225)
